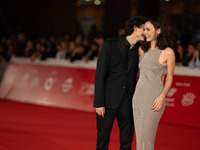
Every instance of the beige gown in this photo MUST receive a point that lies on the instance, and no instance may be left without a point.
(149, 87)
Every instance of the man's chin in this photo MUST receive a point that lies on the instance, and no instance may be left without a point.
(142, 40)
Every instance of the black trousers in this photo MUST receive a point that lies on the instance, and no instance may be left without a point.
(124, 116)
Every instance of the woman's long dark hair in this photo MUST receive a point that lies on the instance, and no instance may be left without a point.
(163, 39)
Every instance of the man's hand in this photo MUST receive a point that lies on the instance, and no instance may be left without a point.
(100, 111)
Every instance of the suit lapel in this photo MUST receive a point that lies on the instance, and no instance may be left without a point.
(131, 61)
(134, 57)
(123, 54)
(122, 49)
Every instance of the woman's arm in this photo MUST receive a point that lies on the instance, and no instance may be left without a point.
(170, 61)
(170, 70)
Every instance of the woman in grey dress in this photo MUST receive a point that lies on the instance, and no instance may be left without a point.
(156, 58)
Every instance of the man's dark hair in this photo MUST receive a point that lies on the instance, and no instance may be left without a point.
(134, 21)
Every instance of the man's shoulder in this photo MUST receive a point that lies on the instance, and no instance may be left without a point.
(112, 41)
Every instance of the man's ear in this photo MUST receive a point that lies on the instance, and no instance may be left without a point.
(158, 31)
(135, 28)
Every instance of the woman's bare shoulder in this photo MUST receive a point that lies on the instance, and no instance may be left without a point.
(168, 51)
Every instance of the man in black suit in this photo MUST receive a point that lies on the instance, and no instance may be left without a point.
(115, 83)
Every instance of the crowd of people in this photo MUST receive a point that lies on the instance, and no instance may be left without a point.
(188, 55)
(79, 48)
(65, 47)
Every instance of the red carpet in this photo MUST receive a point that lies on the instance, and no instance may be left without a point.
(33, 127)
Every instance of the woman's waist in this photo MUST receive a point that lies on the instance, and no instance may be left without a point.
(150, 81)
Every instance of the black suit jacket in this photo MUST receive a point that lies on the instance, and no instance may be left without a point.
(112, 79)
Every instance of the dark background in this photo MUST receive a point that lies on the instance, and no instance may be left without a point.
(54, 17)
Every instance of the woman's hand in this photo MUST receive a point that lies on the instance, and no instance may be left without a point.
(158, 103)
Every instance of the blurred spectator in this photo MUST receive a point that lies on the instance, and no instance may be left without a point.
(179, 52)
(121, 31)
(61, 50)
(20, 45)
(99, 40)
(195, 59)
(86, 46)
(51, 43)
(43, 53)
(93, 52)
(9, 53)
(58, 48)
(29, 49)
(189, 55)
(71, 49)
(36, 54)
(78, 51)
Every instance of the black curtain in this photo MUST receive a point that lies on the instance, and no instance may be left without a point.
(116, 13)
(148, 8)
(42, 16)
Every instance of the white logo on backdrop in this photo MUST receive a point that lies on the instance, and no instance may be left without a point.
(49, 83)
(26, 76)
(188, 99)
(171, 92)
(183, 84)
(35, 82)
(11, 79)
(67, 85)
(86, 89)
(24, 80)
(170, 102)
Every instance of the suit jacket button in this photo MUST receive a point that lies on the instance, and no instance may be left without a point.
(124, 87)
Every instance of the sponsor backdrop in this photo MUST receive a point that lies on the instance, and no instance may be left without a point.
(73, 88)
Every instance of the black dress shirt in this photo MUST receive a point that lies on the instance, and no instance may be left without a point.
(129, 52)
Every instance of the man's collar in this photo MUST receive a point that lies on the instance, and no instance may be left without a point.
(125, 41)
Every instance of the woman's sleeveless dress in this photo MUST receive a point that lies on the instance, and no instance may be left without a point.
(149, 87)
